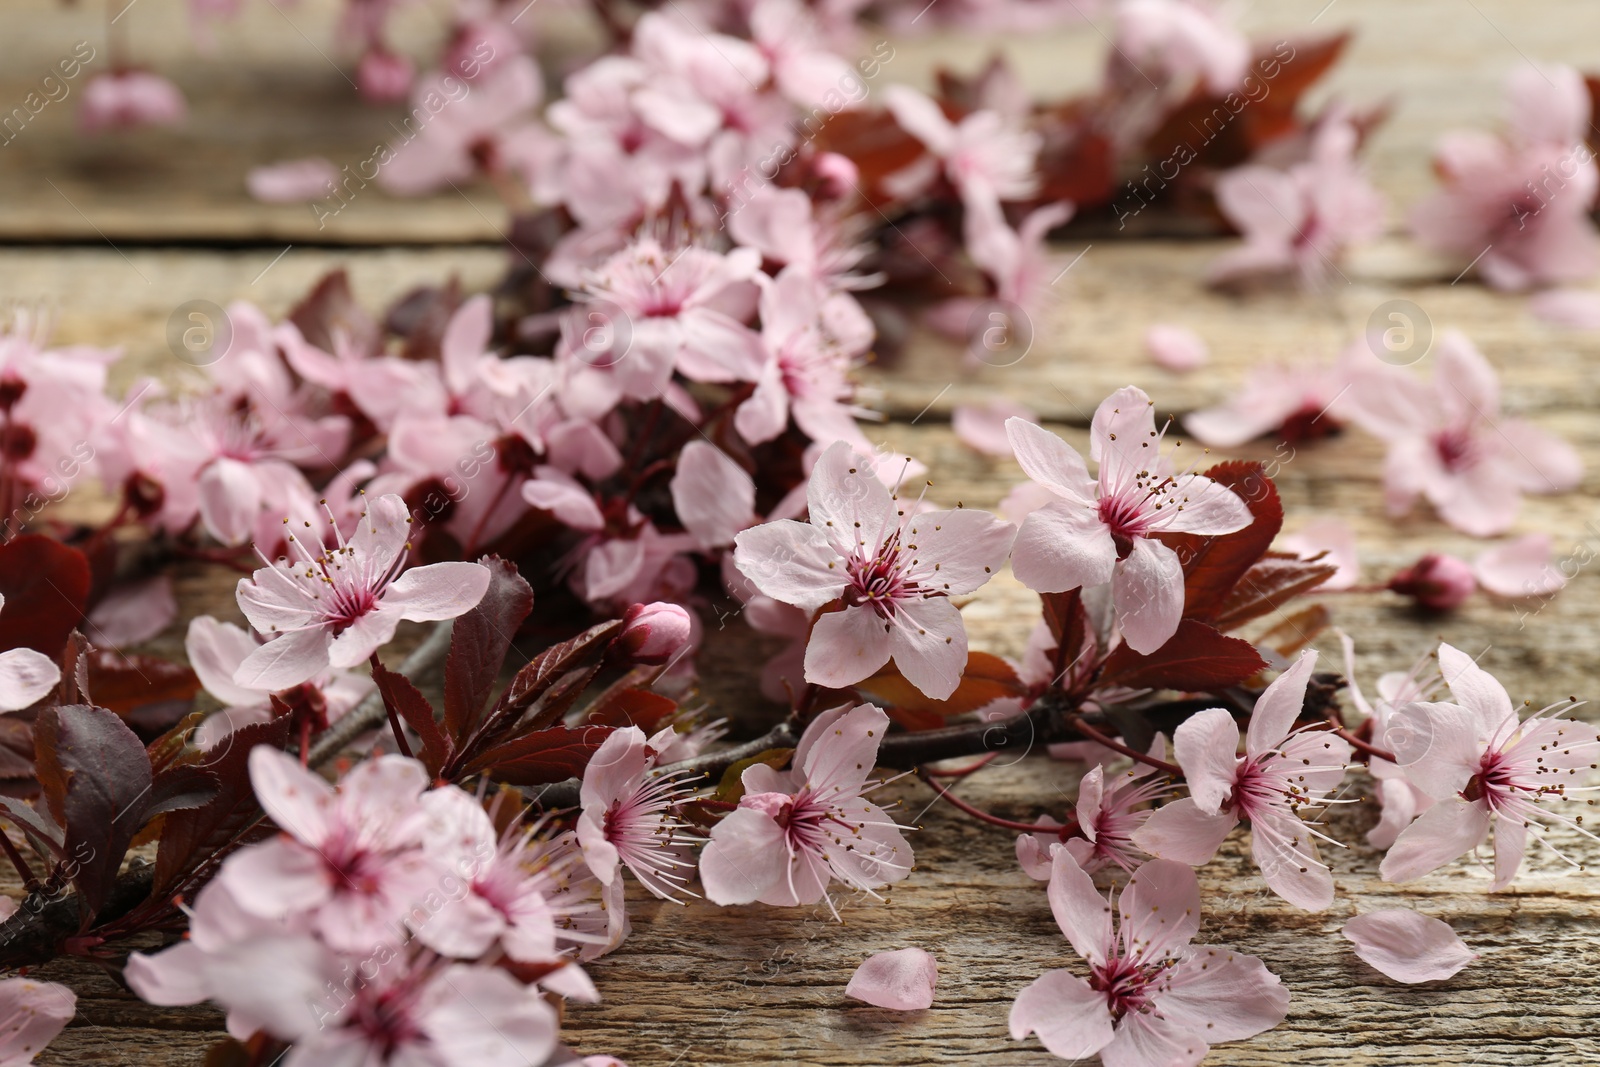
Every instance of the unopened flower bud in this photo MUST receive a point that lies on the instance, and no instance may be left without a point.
(653, 633)
(839, 174)
(1436, 582)
(384, 77)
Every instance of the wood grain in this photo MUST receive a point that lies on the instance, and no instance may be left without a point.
(701, 985)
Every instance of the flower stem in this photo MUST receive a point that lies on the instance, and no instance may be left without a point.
(1368, 749)
(979, 813)
(1117, 746)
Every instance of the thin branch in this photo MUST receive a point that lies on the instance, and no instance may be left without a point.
(1368, 749)
(370, 712)
(984, 816)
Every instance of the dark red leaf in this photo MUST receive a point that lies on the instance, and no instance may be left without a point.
(534, 680)
(16, 747)
(1268, 585)
(97, 783)
(406, 701)
(1196, 659)
(46, 587)
(478, 646)
(542, 757)
(191, 837)
(1212, 566)
(126, 683)
(631, 707)
(181, 787)
(331, 309)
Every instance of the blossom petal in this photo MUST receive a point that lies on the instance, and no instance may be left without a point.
(1519, 568)
(26, 677)
(1120, 435)
(285, 661)
(792, 562)
(1160, 909)
(1207, 747)
(1279, 706)
(1082, 913)
(848, 646)
(230, 499)
(1223, 995)
(437, 591)
(1510, 843)
(1287, 854)
(745, 858)
(1050, 461)
(215, 650)
(1182, 831)
(958, 550)
(1206, 507)
(1071, 1019)
(1407, 946)
(1438, 746)
(1443, 833)
(839, 750)
(902, 980)
(928, 643)
(712, 495)
(1147, 588)
(1063, 546)
(846, 499)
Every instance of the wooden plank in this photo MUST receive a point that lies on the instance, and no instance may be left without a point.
(277, 86)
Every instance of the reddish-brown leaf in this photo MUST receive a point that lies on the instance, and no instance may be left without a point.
(124, 683)
(191, 837)
(1196, 659)
(1297, 631)
(542, 757)
(46, 587)
(1268, 585)
(536, 679)
(97, 783)
(987, 678)
(631, 707)
(331, 309)
(1212, 566)
(405, 700)
(479, 643)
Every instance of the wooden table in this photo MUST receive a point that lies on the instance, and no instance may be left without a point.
(115, 234)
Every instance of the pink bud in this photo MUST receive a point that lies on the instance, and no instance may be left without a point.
(384, 77)
(839, 174)
(653, 633)
(1436, 582)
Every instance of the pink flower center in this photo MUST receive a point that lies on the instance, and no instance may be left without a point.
(1128, 983)
(879, 581)
(1456, 449)
(347, 606)
(1126, 517)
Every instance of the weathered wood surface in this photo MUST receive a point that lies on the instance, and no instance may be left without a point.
(1441, 62)
(699, 985)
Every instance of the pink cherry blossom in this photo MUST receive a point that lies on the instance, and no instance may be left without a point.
(1407, 946)
(457, 128)
(805, 72)
(901, 980)
(128, 99)
(333, 607)
(1521, 567)
(32, 1013)
(1449, 442)
(1569, 309)
(26, 676)
(217, 649)
(1183, 41)
(1302, 218)
(1292, 401)
(1153, 999)
(794, 832)
(894, 568)
(1486, 770)
(352, 857)
(629, 816)
(1100, 530)
(713, 496)
(1517, 205)
(1328, 541)
(664, 309)
(514, 890)
(812, 338)
(1110, 814)
(1176, 348)
(986, 156)
(1400, 800)
(384, 77)
(982, 427)
(1282, 771)
(293, 181)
